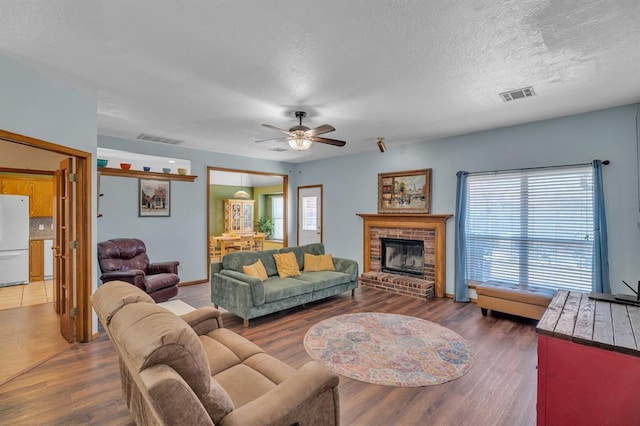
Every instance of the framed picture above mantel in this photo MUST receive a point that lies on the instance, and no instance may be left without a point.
(405, 192)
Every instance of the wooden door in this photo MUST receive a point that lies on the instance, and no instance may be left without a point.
(63, 262)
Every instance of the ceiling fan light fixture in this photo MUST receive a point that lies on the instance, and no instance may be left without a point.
(300, 144)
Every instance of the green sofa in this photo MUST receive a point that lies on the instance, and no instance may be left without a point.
(249, 297)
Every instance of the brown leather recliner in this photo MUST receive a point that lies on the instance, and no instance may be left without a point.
(125, 259)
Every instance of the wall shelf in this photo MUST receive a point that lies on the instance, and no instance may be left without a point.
(110, 171)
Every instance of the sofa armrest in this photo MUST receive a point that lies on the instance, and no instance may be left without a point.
(132, 276)
(163, 268)
(257, 286)
(347, 266)
(203, 320)
(291, 399)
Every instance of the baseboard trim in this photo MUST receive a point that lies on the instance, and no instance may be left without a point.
(186, 283)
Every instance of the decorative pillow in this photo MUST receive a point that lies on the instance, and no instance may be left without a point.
(287, 264)
(256, 270)
(322, 262)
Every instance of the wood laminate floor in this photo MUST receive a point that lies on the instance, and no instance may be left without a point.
(81, 385)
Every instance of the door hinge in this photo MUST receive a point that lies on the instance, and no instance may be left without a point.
(73, 312)
(73, 177)
(74, 244)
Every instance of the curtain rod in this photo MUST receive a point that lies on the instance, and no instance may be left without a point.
(604, 162)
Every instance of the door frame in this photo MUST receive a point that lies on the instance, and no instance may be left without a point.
(82, 222)
(321, 211)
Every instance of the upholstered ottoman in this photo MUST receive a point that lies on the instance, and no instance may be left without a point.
(521, 300)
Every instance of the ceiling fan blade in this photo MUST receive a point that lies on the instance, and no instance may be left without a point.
(272, 139)
(334, 142)
(325, 128)
(276, 128)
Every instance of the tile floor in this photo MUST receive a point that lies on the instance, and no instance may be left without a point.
(34, 293)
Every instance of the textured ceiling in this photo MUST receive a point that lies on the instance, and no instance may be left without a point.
(210, 72)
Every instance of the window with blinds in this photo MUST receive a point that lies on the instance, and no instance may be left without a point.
(531, 227)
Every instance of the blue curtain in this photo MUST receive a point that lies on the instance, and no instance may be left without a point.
(461, 291)
(600, 248)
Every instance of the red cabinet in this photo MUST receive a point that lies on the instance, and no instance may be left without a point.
(588, 363)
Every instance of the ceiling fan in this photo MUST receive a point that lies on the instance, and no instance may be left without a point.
(300, 137)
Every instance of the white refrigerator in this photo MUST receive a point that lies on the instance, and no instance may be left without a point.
(14, 240)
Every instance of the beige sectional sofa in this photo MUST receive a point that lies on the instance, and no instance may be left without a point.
(189, 370)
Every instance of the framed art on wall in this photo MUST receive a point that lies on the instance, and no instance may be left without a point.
(405, 192)
(154, 198)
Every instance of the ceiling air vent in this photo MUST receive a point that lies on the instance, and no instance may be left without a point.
(278, 149)
(512, 95)
(160, 139)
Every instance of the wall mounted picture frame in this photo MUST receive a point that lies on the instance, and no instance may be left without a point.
(405, 192)
(154, 198)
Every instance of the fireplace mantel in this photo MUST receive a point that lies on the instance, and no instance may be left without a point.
(435, 222)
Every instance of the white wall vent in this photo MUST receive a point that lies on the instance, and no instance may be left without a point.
(160, 139)
(512, 95)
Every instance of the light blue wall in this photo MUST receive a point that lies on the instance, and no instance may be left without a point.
(350, 183)
(183, 235)
(34, 105)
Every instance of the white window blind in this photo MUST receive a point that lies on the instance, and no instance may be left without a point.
(531, 227)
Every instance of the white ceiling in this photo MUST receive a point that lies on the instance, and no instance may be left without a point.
(210, 72)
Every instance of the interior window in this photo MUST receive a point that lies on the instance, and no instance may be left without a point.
(277, 214)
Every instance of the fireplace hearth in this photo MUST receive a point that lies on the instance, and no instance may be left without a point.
(402, 256)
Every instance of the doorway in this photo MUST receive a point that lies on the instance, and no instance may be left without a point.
(261, 188)
(309, 214)
(27, 150)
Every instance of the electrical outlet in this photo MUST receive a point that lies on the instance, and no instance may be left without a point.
(41, 227)
(52, 226)
(179, 267)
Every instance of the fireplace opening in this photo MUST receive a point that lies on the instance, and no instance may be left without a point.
(404, 257)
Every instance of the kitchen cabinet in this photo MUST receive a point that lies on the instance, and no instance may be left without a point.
(36, 260)
(238, 216)
(39, 191)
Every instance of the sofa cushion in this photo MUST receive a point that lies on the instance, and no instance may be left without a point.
(114, 296)
(287, 265)
(235, 261)
(325, 279)
(151, 335)
(299, 251)
(244, 384)
(321, 262)
(225, 349)
(282, 288)
(256, 270)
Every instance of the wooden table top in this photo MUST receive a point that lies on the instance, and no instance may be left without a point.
(604, 324)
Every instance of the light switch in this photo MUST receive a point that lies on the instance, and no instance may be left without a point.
(41, 227)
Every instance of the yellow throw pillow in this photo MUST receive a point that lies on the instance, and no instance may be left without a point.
(287, 264)
(256, 270)
(322, 262)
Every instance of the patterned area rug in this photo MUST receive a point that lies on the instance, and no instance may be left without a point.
(389, 349)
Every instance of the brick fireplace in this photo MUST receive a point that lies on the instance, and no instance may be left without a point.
(429, 228)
